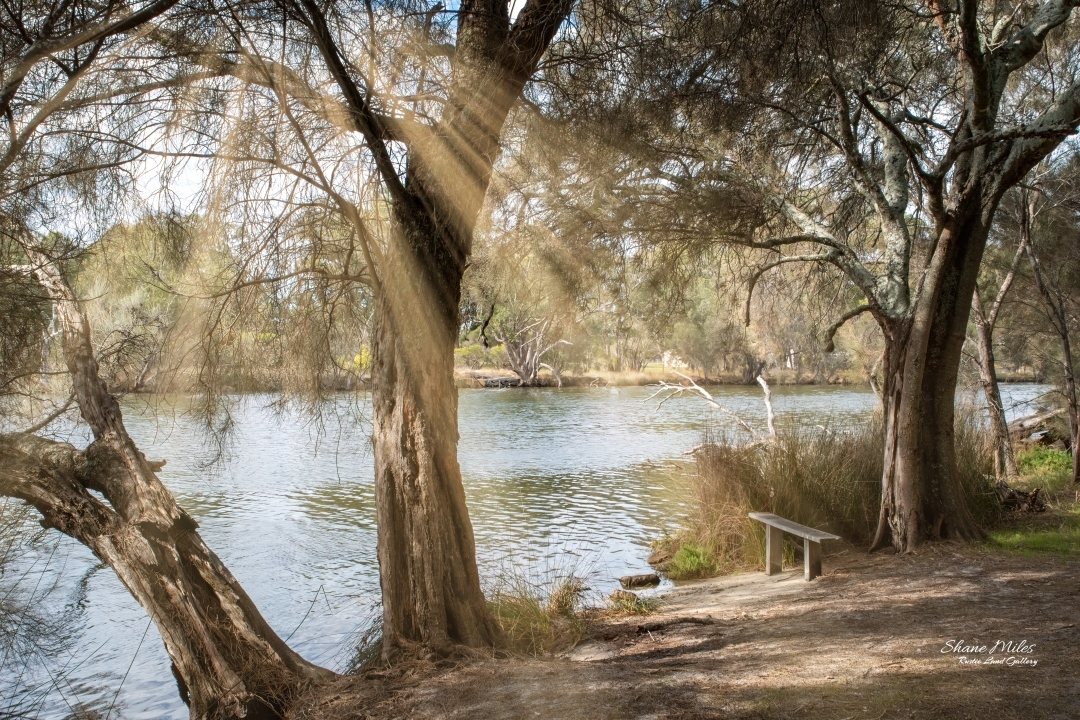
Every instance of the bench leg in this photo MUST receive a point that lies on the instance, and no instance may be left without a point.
(774, 550)
(811, 558)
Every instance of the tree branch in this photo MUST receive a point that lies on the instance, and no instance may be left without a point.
(831, 332)
(827, 257)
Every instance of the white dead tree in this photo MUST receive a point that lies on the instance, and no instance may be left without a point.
(526, 349)
(670, 390)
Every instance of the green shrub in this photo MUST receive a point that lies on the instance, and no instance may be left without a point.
(690, 562)
(471, 356)
(1040, 459)
(1044, 468)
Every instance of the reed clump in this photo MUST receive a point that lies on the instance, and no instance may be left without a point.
(539, 615)
(818, 476)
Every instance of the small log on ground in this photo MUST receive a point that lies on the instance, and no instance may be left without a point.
(659, 557)
(639, 581)
(1018, 500)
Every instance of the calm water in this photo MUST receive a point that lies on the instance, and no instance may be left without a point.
(555, 479)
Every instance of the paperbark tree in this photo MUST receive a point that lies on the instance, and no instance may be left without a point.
(931, 133)
(1056, 302)
(48, 51)
(427, 558)
(432, 147)
(59, 72)
(526, 348)
(227, 660)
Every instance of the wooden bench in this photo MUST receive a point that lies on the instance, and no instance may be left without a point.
(775, 527)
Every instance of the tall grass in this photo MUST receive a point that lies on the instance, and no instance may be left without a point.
(818, 476)
(538, 612)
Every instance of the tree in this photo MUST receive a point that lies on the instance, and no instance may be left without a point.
(227, 660)
(1048, 223)
(986, 318)
(429, 115)
(72, 117)
(879, 140)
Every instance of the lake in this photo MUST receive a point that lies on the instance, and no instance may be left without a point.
(556, 479)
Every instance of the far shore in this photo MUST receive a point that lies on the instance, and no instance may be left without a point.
(500, 378)
(493, 378)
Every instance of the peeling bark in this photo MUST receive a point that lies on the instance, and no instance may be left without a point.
(431, 593)
(921, 494)
(227, 660)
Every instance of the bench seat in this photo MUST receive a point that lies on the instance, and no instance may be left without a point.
(775, 527)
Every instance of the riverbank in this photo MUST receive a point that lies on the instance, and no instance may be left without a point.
(490, 377)
(871, 638)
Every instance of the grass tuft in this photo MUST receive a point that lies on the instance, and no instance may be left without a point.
(690, 562)
(632, 603)
(538, 616)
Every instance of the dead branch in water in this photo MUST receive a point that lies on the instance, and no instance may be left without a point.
(674, 390)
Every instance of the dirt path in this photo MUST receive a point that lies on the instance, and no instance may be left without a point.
(862, 641)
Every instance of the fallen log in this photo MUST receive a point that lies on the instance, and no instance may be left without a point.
(1019, 501)
(1030, 422)
(639, 581)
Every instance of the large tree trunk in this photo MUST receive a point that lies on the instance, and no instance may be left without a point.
(427, 561)
(227, 660)
(922, 498)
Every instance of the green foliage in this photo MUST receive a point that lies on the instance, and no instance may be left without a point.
(471, 356)
(691, 562)
(1043, 460)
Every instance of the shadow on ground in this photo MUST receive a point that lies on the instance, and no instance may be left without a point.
(863, 641)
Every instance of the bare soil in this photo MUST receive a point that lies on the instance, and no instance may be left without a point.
(865, 640)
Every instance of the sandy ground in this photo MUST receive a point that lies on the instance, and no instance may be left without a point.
(865, 640)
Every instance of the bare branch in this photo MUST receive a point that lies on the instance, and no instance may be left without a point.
(830, 256)
(831, 332)
(694, 388)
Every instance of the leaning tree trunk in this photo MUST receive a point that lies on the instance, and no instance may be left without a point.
(1004, 457)
(227, 660)
(922, 498)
